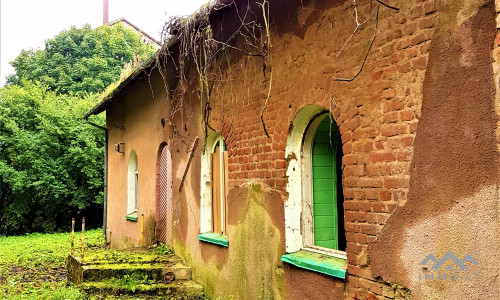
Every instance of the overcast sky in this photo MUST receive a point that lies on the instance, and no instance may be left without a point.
(27, 24)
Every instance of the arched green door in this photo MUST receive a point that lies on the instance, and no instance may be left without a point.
(325, 171)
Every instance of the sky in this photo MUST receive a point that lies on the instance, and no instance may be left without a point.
(26, 24)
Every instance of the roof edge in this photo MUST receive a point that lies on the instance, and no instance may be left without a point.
(135, 27)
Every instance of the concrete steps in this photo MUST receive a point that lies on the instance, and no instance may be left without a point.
(186, 288)
(142, 272)
(156, 272)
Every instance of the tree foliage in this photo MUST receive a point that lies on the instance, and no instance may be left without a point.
(51, 162)
(80, 60)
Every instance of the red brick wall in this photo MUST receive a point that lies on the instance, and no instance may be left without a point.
(377, 113)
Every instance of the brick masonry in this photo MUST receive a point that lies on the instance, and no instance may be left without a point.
(377, 115)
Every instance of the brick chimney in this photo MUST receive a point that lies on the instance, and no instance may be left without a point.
(105, 12)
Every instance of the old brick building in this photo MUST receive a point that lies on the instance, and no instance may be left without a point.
(272, 178)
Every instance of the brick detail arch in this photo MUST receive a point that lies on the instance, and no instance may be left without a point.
(294, 212)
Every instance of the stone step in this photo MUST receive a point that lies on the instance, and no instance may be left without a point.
(133, 272)
(158, 272)
(185, 288)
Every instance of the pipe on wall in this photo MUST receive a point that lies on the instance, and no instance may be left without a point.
(105, 209)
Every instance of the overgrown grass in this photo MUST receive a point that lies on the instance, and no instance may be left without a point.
(33, 266)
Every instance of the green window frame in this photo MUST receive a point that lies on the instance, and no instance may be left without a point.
(314, 212)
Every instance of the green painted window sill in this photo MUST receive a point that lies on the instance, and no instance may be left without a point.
(132, 216)
(214, 238)
(330, 265)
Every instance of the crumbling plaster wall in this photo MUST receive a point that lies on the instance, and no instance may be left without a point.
(452, 202)
(377, 115)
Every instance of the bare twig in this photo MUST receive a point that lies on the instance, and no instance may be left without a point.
(358, 24)
(271, 72)
(388, 6)
(226, 45)
(367, 51)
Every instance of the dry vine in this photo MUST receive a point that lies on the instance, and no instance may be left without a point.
(358, 25)
(198, 46)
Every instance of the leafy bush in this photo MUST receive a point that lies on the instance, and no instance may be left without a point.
(51, 162)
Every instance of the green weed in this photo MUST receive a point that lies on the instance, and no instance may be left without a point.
(162, 249)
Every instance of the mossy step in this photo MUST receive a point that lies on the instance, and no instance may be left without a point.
(152, 297)
(122, 257)
(159, 272)
(172, 289)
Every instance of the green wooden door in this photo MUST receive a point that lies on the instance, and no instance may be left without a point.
(324, 170)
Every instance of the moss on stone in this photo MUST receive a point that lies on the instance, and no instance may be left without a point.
(206, 274)
(246, 274)
(251, 260)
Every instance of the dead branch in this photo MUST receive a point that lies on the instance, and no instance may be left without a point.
(388, 6)
(358, 25)
(367, 50)
(271, 72)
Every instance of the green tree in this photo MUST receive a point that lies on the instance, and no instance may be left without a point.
(80, 61)
(51, 162)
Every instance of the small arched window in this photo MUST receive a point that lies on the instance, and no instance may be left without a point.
(132, 187)
(218, 183)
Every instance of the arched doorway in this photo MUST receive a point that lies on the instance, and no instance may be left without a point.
(164, 198)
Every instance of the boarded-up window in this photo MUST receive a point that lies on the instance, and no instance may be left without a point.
(219, 187)
(327, 186)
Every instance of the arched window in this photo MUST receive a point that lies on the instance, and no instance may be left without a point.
(218, 172)
(314, 215)
(132, 185)
(214, 187)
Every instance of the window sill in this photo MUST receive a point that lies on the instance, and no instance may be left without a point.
(214, 238)
(132, 216)
(325, 264)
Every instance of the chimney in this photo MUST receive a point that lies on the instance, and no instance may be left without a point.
(105, 12)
